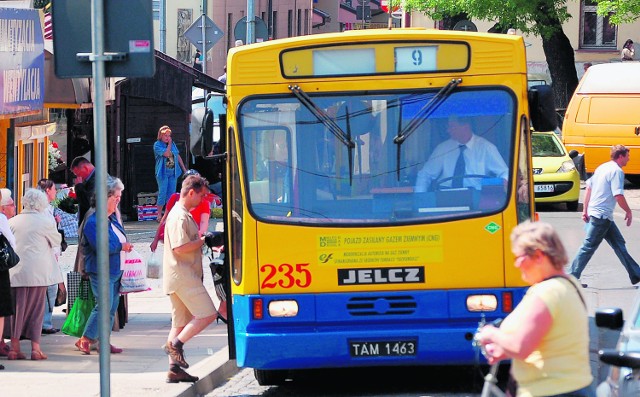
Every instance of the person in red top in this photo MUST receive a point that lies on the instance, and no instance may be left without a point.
(200, 214)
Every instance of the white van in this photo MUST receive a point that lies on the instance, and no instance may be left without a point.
(605, 111)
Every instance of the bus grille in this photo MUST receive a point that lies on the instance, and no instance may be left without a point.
(381, 305)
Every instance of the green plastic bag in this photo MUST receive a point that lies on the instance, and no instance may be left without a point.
(79, 314)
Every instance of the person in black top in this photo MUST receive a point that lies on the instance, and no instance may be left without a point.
(85, 183)
(197, 60)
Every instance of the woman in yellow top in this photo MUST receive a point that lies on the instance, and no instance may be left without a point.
(547, 335)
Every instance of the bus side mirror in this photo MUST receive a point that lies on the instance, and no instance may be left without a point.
(222, 143)
(207, 132)
(609, 317)
(542, 108)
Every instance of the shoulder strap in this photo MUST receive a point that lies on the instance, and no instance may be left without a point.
(573, 285)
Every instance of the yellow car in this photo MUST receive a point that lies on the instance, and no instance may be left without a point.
(555, 177)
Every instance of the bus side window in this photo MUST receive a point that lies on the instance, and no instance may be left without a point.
(270, 176)
(257, 171)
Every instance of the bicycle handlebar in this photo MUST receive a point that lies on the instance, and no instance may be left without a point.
(476, 342)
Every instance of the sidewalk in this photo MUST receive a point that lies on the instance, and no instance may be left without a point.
(141, 369)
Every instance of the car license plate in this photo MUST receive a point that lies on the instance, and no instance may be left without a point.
(383, 348)
(543, 188)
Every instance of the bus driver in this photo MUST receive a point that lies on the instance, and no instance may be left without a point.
(464, 153)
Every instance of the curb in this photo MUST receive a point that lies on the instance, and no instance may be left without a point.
(223, 370)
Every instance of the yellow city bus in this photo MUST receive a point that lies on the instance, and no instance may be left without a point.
(340, 255)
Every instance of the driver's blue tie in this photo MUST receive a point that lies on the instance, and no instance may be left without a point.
(459, 171)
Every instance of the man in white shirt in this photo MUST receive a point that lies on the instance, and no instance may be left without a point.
(464, 153)
(604, 190)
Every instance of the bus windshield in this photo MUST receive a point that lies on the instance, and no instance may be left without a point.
(392, 159)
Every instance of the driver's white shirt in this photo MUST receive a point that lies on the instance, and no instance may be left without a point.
(481, 158)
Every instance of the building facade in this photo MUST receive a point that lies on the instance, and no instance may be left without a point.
(592, 37)
(275, 19)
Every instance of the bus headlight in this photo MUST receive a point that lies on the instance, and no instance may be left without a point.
(482, 303)
(287, 308)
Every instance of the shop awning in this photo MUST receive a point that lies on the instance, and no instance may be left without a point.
(35, 131)
(171, 84)
(72, 93)
(200, 80)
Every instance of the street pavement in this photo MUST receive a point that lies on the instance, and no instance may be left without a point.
(141, 369)
(607, 280)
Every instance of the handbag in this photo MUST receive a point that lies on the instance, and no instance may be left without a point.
(8, 257)
(63, 243)
(134, 274)
(512, 386)
(61, 296)
(73, 288)
(79, 315)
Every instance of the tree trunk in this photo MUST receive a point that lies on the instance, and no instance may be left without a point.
(561, 60)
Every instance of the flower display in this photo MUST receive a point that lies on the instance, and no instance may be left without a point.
(66, 200)
(55, 157)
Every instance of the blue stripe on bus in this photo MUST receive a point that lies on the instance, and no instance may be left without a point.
(438, 320)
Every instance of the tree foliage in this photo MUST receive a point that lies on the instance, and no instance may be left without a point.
(619, 11)
(543, 18)
(524, 15)
(40, 3)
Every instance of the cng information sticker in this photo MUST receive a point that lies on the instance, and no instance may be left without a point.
(492, 227)
(379, 249)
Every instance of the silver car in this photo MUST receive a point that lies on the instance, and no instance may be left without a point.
(623, 379)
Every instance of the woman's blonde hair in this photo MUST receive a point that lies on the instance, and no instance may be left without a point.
(530, 237)
(163, 130)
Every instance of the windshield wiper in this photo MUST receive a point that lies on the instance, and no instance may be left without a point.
(422, 115)
(324, 118)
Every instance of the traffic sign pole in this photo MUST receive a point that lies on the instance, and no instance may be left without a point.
(211, 36)
(250, 22)
(203, 34)
(99, 127)
(388, 8)
(203, 22)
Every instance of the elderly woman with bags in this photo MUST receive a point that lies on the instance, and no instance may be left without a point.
(36, 237)
(49, 188)
(118, 245)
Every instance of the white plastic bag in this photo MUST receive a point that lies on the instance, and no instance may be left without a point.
(134, 274)
(154, 265)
